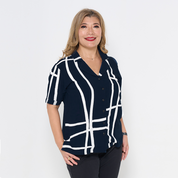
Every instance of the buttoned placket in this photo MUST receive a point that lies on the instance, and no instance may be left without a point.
(103, 100)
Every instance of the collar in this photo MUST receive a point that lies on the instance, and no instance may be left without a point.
(104, 56)
(85, 67)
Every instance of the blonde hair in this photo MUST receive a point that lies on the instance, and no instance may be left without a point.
(73, 40)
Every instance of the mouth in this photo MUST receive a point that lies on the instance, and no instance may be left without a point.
(90, 38)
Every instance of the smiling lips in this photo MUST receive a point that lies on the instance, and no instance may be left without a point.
(90, 38)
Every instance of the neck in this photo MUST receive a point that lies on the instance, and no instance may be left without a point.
(88, 53)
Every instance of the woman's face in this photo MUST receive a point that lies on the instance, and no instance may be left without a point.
(89, 33)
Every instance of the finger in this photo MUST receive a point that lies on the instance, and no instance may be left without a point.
(68, 162)
(122, 156)
(123, 152)
(73, 161)
(74, 157)
(126, 153)
(124, 148)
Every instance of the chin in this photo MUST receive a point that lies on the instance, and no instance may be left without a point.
(91, 46)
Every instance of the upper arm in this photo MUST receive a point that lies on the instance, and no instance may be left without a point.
(56, 84)
(52, 106)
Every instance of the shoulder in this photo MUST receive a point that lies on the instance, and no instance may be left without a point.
(112, 61)
(108, 58)
(60, 64)
(114, 64)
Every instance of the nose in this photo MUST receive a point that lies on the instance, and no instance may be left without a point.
(90, 30)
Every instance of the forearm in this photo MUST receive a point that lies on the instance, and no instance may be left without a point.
(123, 126)
(125, 145)
(55, 123)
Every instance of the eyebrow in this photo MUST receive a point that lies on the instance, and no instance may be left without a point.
(93, 24)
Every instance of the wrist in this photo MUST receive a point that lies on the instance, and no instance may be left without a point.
(124, 133)
(59, 144)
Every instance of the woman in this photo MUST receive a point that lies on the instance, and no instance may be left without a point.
(93, 139)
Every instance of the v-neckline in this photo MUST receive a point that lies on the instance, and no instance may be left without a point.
(86, 67)
(92, 69)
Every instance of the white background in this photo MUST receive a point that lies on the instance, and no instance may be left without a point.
(143, 37)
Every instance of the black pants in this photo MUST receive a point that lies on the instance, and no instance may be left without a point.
(102, 165)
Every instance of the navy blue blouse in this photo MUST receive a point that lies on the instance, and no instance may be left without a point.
(92, 103)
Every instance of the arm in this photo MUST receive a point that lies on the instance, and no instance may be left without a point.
(55, 123)
(125, 145)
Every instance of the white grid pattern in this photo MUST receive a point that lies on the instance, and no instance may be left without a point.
(88, 116)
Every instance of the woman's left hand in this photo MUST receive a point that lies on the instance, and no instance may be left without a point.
(125, 147)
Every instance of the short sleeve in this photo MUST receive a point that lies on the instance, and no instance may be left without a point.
(56, 86)
(115, 61)
(119, 78)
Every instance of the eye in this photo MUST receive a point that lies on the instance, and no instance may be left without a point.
(96, 26)
(83, 26)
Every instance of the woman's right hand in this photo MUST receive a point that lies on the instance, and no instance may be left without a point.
(69, 158)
